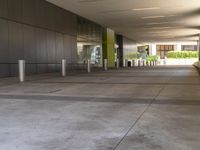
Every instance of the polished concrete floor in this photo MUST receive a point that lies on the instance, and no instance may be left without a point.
(154, 108)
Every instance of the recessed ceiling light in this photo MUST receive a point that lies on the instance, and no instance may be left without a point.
(162, 27)
(152, 17)
(148, 8)
(156, 23)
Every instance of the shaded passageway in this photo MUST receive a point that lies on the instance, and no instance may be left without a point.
(139, 108)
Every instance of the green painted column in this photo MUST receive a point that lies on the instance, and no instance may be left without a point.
(109, 47)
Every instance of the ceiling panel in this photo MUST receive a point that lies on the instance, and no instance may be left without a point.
(141, 20)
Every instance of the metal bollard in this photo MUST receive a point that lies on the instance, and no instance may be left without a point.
(117, 63)
(144, 63)
(151, 63)
(21, 70)
(147, 63)
(133, 63)
(139, 63)
(154, 63)
(124, 63)
(88, 66)
(64, 64)
(105, 64)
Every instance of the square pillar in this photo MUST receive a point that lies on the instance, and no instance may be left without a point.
(109, 47)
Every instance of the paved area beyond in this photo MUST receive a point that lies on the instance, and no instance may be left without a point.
(150, 108)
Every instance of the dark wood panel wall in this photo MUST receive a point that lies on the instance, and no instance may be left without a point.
(37, 31)
(120, 53)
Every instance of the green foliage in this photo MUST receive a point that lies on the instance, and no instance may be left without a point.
(152, 58)
(182, 54)
(132, 55)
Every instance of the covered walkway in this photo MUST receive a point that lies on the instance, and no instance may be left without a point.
(154, 108)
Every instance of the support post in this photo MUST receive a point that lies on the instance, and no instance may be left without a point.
(147, 63)
(133, 63)
(105, 64)
(88, 66)
(21, 64)
(144, 63)
(117, 64)
(64, 64)
(124, 63)
(139, 63)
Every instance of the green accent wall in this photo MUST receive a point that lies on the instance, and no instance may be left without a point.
(109, 47)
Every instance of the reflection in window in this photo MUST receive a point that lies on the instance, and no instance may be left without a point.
(89, 39)
(90, 51)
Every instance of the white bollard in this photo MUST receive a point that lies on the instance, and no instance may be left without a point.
(144, 63)
(151, 63)
(88, 66)
(105, 64)
(133, 63)
(124, 63)
(117, 63)
(127, 63)
(64, 64)
(139, 63)
(21, 70)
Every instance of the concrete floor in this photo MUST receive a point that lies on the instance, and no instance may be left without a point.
(127, 109)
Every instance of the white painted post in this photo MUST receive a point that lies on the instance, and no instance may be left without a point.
(21, 64)
(64, 64)
(105, 64)
(133, 63)
(144, 63)
(88, 66)
(124, 63)
(117, 63)
(139, 63)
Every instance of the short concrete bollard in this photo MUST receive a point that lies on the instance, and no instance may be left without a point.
(139, 63)
(21, 64)
(105, 64)
(133, 63)
(144, 63)
(88, 66)
(147, 63)
(150, 63)
(127, 63)
(154, 63)
(64, 64)
(117, 63)
(124, 63)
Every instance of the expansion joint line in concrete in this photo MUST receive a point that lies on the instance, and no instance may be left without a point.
(134, 124)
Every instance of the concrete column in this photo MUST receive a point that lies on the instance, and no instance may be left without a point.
(64, 64)
(88, 66)
(21, 64)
